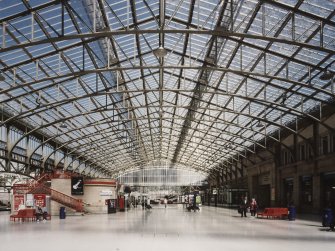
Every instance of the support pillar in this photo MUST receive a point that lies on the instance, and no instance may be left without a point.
(316, 193)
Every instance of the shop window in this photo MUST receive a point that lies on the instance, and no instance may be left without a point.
(307, 190)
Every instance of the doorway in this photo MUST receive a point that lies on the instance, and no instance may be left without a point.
(264, 196)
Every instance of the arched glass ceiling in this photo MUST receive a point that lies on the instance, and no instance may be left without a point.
(228, 74)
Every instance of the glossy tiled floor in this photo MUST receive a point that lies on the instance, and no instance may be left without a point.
(165, 229)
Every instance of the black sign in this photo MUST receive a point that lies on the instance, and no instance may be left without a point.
(77, 186)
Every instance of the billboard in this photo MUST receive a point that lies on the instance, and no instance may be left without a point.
(77, 185)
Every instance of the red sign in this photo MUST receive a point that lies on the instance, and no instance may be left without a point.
(18, 200)
(39, 200)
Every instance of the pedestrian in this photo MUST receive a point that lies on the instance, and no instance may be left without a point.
(38, 213)
(165, 202)
(243, 206)
(253, 207)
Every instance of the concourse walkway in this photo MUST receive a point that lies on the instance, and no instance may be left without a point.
(164, 229)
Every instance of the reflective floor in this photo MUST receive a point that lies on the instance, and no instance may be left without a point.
(165, 229)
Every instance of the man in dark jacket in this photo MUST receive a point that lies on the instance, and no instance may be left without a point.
(243, 206)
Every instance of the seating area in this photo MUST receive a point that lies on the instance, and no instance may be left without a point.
(27, 214)
(275, 212)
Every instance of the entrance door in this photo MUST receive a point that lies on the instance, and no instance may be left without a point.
(328, 191)
(264, 196)
(288, 192)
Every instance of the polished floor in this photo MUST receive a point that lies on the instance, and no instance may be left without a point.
(165, 229)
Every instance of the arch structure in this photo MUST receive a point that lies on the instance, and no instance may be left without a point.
(105, 87)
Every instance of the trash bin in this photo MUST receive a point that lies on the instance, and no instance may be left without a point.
(291, 213)
(62, 213)
(327, 217)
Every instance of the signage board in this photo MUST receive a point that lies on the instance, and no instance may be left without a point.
(106, 193)
(18, 200)
(77, 185)
(29, 200)
(39, 200)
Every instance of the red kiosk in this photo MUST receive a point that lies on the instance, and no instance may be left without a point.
(121, 202)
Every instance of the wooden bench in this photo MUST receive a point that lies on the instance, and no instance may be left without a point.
(274, 212)
(27, 214)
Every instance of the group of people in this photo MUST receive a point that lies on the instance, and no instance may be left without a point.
(40, 214)
(245, 204)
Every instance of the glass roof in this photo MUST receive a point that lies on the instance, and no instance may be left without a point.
(195, 83)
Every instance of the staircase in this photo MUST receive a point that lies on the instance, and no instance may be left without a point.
(38, 186)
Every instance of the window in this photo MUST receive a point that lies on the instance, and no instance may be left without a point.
(306, 190)
(302, 152)
(286, 157)
(324, 143)
(309, 152)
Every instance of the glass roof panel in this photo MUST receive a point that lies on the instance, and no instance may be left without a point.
(196, 98)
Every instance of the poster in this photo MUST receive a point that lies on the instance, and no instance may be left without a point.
(18, 200)
(29, 200)
(77, 185)
(39, 200)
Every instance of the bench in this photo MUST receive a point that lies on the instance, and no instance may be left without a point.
(23, 215)
(274, 212)
(27, 214)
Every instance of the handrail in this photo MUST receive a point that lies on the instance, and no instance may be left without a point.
(66, 200)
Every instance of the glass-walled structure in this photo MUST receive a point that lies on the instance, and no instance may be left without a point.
(160, 173)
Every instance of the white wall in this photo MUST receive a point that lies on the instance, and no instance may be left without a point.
(94, 201)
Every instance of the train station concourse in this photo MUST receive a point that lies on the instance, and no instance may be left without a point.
(167, 124)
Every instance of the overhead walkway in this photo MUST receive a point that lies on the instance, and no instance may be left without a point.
(166, 229)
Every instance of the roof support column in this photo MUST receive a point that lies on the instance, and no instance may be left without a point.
(161, 71)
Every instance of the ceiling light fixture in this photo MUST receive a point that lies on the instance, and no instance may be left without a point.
(259, 125)
(283, 99)
(63, 125)
(2, 78)
(326, 75)
(160, 52)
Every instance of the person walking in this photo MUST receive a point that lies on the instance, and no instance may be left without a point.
(253, 207)
(243, 206)
(165, 202)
